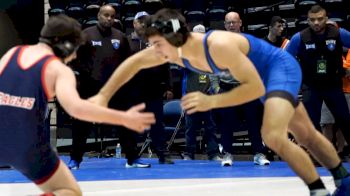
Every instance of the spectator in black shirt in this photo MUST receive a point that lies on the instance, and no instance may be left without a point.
(276, 28)
(105, 49)
(319, 49)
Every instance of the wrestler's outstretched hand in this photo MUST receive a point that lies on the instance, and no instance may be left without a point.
(137, 120)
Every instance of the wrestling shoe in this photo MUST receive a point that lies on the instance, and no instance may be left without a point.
(137, 164)
(319, 192)
(343, 187)
(73, 164)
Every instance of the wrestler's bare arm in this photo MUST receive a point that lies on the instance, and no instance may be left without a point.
(144, 59)
(65, 90)
(233, 58)
(227, 54)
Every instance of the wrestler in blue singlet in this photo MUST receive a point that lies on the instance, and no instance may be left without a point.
(24, 140)
(279, 71)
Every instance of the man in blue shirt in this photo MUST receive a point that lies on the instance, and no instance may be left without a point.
(319, 49)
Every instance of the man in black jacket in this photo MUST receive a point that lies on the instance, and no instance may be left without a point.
(319, 49)
(106, 47)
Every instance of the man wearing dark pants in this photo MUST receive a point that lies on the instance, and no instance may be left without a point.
(105, 49)
(319, 49)
(151, 86)
(228, 118)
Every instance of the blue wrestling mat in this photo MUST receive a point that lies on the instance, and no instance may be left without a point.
(94, 169)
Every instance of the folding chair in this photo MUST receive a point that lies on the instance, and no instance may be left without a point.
(258, 15)
(92, 9)
(146, 144)
(216, 18)
(152, 6)
(173, 117)
(131, 7)
(55, 11)
(76, 11)
(258, 30)
(195, 5)
(194, 18)
(303, 6)
(128, 25)
(90, 22)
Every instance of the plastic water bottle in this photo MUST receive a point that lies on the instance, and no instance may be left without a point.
(118, 151)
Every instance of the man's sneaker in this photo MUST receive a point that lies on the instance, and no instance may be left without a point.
(137, 164)
(227, 160)
(73, 164)
(343, 187)
(260, 159)
(320, 192)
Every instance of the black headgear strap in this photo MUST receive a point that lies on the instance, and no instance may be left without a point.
(173, 30)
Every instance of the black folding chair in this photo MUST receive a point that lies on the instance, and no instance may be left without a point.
(173, 117)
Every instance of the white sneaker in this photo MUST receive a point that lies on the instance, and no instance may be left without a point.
(137, 164)
(260, 159)
(227, 160)
(319, 192)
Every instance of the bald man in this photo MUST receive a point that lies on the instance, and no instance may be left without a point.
(232, 116)
(233, 22)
